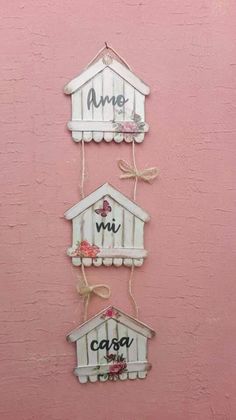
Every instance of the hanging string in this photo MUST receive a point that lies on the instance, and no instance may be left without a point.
(130, 283)
(148, 175)
(108, 47)
(136, 171)
(96, 56)
(82, 169)
(86, 290)
(136, 309)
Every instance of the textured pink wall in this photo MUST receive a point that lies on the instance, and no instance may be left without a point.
(185, 50)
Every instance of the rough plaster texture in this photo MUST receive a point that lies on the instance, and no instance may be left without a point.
(186, 289)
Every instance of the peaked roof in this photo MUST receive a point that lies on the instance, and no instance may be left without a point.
(106, 189)
(111, 312)
(99, 66)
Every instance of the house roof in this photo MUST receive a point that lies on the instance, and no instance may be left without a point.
(101, 192)
(98, 67)
(118, 316)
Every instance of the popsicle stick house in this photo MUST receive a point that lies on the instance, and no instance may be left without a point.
(111, 345)
(108, 228)
(108, 102)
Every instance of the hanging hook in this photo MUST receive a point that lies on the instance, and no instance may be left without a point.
(106, 45)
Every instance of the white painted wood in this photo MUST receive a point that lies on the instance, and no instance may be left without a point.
(77, 113)
(127, 253)
(111, 327)
(84, 328)
(131, 367)
(76, 237)
(142, 353)
(129, 109)
(107, 126)
(112, 331)
(138, 262)
(138, 239)
(140, 110)
(136, 325)
(128, 236)
(84, 77)
(76, 262)
(132, 352)
(82, 357)
(87, 114)
(98, 237)
(108, 112)
(122, 253)
(138, 233)
(92, 355)
(118, 83)
(98, 319)
(106, 189)
(130, 77)
(118, 237)
(101, 334)
(122, 332)
(76, 230)
(107, 261)
(87, 232)
(109, 80)
(107, 244)
(98, 112)
(98, 66)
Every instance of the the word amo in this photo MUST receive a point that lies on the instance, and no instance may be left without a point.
(118, 100)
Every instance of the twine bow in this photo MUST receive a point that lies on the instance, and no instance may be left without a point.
(147, 175)
(87, 290)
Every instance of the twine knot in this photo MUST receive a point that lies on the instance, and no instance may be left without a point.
(147, 175)
(101, 290)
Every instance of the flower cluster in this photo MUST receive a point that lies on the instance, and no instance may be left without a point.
(134, 126)
(110, 312)
(85, 249)
(117, 365)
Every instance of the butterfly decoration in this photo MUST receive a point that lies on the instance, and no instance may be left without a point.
(104, 210)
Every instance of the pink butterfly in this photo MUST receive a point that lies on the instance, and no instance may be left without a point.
(105, 210)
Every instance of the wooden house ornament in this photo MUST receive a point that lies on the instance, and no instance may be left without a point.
(108, 228)
(111, 345)
(108, 102)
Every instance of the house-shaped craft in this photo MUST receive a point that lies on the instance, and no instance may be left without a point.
(108, 228)
(111, 345)
(108, 102)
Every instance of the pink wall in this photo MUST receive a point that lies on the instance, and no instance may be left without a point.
(185, 50)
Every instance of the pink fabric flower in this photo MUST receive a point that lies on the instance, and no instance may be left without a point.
(129, 127)
(117, 368)
(85, 249)
(110, 312)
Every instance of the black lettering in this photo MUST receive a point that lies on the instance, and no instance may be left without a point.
(93, 344)
(114, 229)
(104, 344)
(110, 227)
(115, 344)
(125, 341)
(102, 225)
